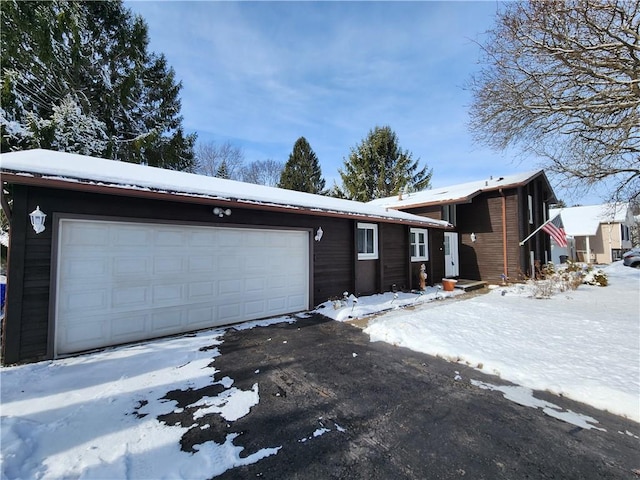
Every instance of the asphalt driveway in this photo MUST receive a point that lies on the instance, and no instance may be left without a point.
(343, 407)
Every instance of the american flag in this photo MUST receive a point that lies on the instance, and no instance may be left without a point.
(555, 229)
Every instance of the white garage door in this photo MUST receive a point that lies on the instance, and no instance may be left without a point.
(119, 282)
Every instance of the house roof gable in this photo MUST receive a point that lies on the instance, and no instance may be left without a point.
(460, 193)
(73, 171)
(585, 220)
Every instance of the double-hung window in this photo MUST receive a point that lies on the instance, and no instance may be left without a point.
(419, 247)
(367, 239)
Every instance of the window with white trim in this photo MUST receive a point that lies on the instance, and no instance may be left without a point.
(419, 244)
(367, 240)
(530, 202)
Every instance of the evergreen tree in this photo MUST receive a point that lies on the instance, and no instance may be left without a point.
(77, 77)
(223, 171)
(379, 168)
(302, 171)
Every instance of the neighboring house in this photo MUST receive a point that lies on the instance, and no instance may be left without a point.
(491, 217)
(597, 233)
(131, 252)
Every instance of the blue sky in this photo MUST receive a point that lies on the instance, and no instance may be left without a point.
(263, 74)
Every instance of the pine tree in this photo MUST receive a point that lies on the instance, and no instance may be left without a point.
(302, 171)
(223, 171)
(76, 76)
(379, 168)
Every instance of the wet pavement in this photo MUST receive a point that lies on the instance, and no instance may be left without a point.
(341, 407)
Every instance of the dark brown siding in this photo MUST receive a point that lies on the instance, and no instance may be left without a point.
(395, 257)
(434, 212)
(540, 243)
(435, 267)
(484, 258)
(26, 328)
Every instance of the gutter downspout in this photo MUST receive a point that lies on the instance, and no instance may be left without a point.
(504, 235)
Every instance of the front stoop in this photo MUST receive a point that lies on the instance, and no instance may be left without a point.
(468, 285)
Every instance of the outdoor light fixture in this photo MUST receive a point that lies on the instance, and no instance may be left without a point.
(473, 237)
(319, 234)
(221, 212)
(37, 219)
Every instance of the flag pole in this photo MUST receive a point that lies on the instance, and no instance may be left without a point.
(536, 231)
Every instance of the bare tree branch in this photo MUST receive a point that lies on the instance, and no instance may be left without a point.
(561, 79)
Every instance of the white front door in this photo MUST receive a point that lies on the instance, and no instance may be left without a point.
(120, 282)
(451, 268)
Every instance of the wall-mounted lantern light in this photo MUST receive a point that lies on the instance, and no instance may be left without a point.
(221, 212)
(319, 234)
(37, 220)
(473, 237)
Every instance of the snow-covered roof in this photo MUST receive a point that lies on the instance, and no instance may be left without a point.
(585, 220)
(74, 169)
(460, 193)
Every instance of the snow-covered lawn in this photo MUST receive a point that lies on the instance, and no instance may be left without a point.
(96, 415)
(582, 344)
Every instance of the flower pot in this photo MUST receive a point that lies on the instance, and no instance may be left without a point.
(448, 284)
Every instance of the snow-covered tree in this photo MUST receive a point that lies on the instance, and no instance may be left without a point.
(73, 69)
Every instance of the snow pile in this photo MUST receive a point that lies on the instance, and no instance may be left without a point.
(583, 344)
(96, 416)
(350, 307)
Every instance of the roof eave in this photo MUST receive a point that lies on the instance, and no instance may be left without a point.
(30, 179)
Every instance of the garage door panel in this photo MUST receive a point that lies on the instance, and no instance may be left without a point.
(167, 264)
(167, 321)
(230, 312)
(277, 303)
(93, 300)
(130, 265)
(170, 238)
(130, 297)
(86, 235)
(130, 236)
(230, 287)
(201, 317)
(199, 291)
(119, 282)
(201, 263)
(255, 308)
(123, 327)
(166, 294)
(84, 332)
(295, 301)
(85, 268)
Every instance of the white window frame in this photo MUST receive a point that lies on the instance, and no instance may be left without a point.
(415, 244)
(369, 255)
(530, 201)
